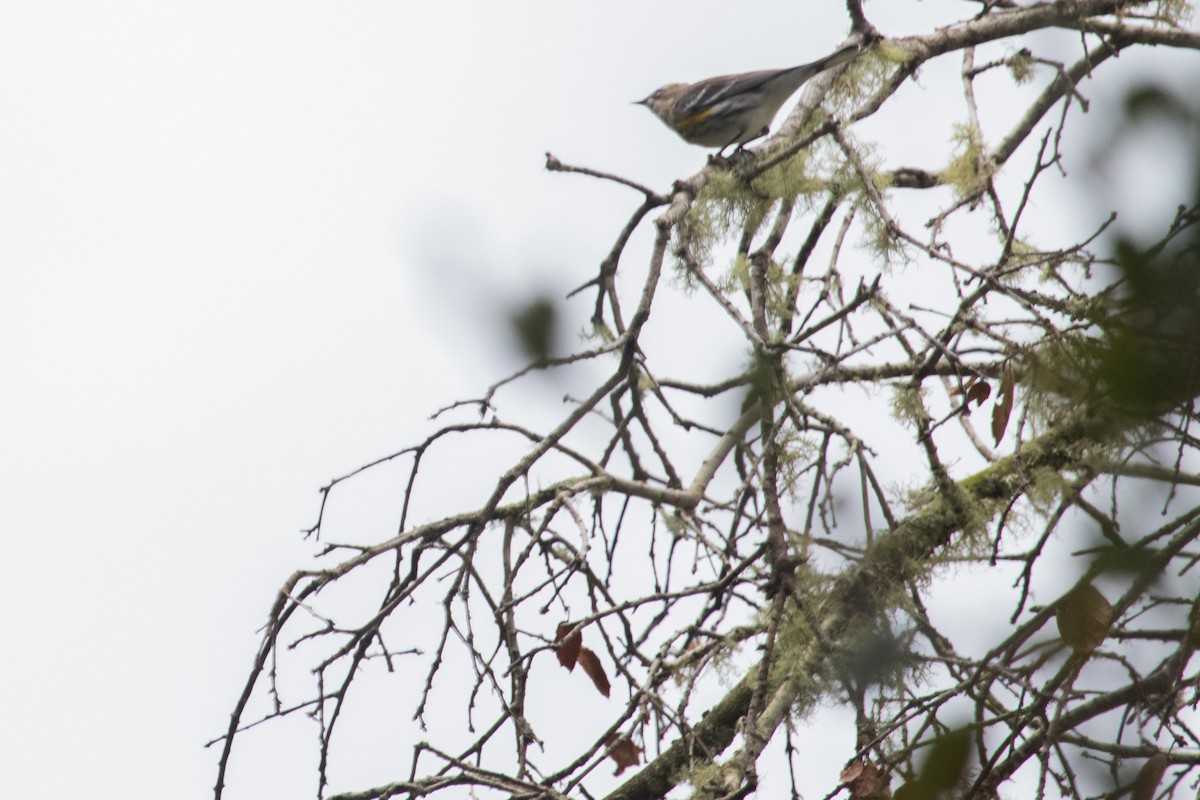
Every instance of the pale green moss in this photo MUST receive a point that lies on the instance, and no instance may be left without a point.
(878, 238)
(1175, 12)
(791, 178)
(889, 51)
(1021, 254)
(1046, 487)
(599, 331)
(706, 778)
(779, 283)
(766, 379)
(950, 507)
(698, 232)
(796, 452)
(863, 77)
(908, 403)
(674, 523)
(1055, 376)
(739, 275)
(971, 167)
(1079, 308)
(1020, 66)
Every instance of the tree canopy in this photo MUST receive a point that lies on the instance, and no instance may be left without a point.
(939, 384)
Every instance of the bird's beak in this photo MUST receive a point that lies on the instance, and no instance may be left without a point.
(641, 102)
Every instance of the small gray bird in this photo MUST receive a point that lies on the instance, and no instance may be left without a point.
(735, 109)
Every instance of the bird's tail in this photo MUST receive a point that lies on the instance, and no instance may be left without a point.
(837, 58)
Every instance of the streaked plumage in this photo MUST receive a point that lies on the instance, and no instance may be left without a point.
(735, 109)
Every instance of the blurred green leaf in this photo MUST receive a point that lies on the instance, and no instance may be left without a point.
(1150, 359)
(876, 657)
(1083, 616)
(1151, 99)
(764, 382)
(942, 770)
(1149, 777)
(536, 328)
(946, 763)
(1126, 560)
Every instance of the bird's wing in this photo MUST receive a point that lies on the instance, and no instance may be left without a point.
(742, 89)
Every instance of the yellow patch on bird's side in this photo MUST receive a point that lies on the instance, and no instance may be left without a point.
(689, 123)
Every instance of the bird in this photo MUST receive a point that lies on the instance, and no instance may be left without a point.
(735, 109)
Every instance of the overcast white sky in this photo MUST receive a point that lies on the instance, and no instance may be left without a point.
(247, 246)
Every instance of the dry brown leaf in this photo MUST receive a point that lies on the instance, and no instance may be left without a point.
(862, 779)
(852, 771)
(1149, 777)
(871, 785)
(1083, 617)
(567, 647)
(591, 665)
(979, 392)
(1004, 405)
(623, 752)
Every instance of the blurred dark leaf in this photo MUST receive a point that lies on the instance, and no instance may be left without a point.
(1149, 360)
(1127, 560)
(863, 780)
(594, 669)
(764, 383)
(1083, 617)
(1150, 99)
(1004, 404)
(876, 656)
(913, 790)
(1149, 777)
(979, 392)
(536, 327)
(1146, 360)
(852, 771)
(567, 647)
(947, 760)
(943, 768)
(623, 752)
